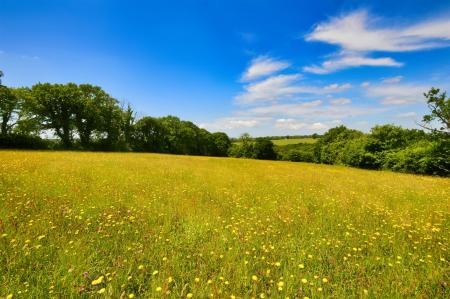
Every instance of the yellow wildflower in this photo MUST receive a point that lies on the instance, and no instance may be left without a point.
(97, 281)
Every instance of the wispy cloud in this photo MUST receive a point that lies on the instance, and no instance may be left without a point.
(340, 101)
(336, 87)
(271, 89)
(311, 110)
(347, 60)
(365, 84)
(407, 115)
(230, 123)
(357, 34)
(282, 87)
(293, 124)
(397, 94)
(392, 80)
(263, 66)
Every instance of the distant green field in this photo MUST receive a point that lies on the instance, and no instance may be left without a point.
(282, 142)
(129, 225)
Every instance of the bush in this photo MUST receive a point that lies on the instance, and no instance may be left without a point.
(24, 142)
(329, 148)
(296, 155)
(355, 154)
(423, 157)
(264, 149)
(301, 152)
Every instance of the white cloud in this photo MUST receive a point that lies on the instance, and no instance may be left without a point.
(360, 32)
(292, 124)
(357, 34)
(346, 60)
(392, 80)
(281, 87)
(311, 110)
(337, 87)
(263, 66)
(438, 29)
(270, 89)
(407, 115)
(398, 94)
(229, 123)
(340, 101)
(365, 84)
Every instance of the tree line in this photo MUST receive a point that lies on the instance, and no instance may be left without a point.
(86, 117)
(387, 147)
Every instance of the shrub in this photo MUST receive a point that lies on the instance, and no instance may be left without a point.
(423, 157)
(23, 142)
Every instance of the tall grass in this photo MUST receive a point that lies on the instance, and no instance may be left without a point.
(126, 225)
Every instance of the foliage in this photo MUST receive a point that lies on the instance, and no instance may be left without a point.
(221, 144)
(86, 117)
(264, 149)
(300, 152)
(386, 147)
(355, 154)
(423, 157)
(22, 141)
(329, 148)
(8, 106)
(172, 135)
(247, 147)
(439, 105)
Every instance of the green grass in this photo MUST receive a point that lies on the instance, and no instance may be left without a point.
(113, 225)
(281, 142)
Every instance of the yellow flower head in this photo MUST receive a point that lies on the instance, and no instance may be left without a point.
(97, 281)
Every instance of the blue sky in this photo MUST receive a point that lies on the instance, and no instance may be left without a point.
(258, 66)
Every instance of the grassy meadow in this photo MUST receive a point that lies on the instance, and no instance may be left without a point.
(281, 142)
(290, 141)
(127, 225)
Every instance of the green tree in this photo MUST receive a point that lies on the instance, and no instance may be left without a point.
(128, 119)
(172, 124)
(390, 137)
(222, 144)
(263, 149)
(246, 145)
(150, 135)
(87, 114)
(57, 105)
(8, 106)
(439, 105)
(28, 122)
(110, 125)
(329, 148)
